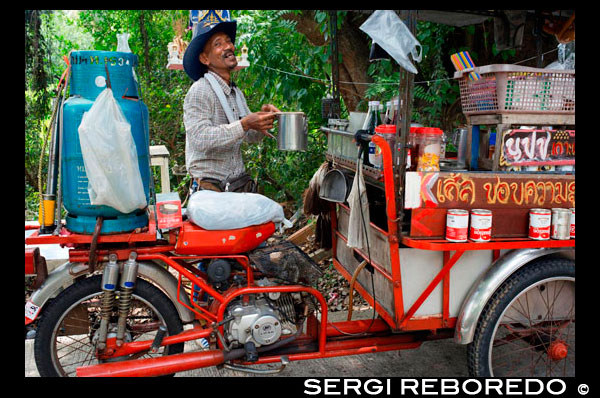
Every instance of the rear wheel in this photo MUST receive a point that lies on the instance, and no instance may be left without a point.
(68, 329)
(527, 328)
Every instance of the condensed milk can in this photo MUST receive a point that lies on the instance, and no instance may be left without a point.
(481, 225)
(457, 225)
(539, 224)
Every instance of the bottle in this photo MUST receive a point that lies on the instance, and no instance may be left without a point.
(443, 146)
(413, 152)
(387, 119)
(395, 110)
(371, 121)
(365, 125)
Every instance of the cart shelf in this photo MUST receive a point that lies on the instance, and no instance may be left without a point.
(66, 237)
(495, 244)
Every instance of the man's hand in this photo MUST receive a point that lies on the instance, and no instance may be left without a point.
(269, 108)
(261, 121)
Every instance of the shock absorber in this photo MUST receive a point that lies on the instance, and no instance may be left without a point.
(110, 278)
(128, 277)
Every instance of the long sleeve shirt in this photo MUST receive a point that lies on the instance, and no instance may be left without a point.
(212, 144)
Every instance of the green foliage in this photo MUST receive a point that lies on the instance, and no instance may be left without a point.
(281, 60)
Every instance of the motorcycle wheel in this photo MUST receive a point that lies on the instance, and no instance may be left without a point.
(527, 328)
(68, 327)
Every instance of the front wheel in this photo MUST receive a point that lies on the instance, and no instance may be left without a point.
(68, 329)
(527, 328)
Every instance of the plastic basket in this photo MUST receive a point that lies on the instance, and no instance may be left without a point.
(505, 88)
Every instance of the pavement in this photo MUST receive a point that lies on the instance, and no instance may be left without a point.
(440, 358)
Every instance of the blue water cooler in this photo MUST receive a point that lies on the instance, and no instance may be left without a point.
(88, 80)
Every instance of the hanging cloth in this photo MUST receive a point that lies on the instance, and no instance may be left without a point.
(358, 226)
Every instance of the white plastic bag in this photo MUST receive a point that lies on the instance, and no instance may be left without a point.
(110, 156)
(232, 210)
(388, 30)
(123, 42)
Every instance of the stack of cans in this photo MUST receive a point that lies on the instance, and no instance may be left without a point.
(557, 223)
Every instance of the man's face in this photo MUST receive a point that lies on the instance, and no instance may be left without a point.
(219, 52)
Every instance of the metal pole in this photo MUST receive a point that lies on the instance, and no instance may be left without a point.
(403, 123)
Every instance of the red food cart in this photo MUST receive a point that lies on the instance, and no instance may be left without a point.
(511, 299)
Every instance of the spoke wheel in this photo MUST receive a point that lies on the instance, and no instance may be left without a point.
(527, 329)
(68, 331)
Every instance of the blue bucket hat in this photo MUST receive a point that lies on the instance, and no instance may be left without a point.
(208, 23)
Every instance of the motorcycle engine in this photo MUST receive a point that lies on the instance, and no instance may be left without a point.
(263, 319)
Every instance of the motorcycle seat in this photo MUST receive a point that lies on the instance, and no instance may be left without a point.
(193, 239)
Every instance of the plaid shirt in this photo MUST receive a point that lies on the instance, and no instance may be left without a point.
(212, 144)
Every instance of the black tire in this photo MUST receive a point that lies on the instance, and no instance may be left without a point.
(539, 299)
(153, 305)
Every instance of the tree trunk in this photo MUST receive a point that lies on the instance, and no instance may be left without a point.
(144, 33)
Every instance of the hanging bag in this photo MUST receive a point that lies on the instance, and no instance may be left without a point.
(110, 156)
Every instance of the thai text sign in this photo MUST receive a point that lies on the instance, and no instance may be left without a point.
(488, 190)
(537, 147)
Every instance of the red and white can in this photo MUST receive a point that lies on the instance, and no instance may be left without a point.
(572, 229)
(457, 225)
(539, 224)
(481, 225)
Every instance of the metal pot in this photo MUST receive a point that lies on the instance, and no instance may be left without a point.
(292, 131)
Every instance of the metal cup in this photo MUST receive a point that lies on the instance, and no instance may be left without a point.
(292, 131)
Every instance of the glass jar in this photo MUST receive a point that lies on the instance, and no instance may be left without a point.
(413, 152)
(430, 145)
(388, 132)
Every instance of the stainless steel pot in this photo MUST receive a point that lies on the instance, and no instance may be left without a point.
(292, 131)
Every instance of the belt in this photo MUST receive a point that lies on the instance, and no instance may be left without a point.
(210, 184)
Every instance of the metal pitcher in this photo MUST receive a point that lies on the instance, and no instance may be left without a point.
(292, 130)
(459, 140)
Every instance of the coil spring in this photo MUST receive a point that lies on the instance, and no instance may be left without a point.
(108, 300)
(124, 301)
(124, 305)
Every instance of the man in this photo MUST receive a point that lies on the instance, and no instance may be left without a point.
(215, 114)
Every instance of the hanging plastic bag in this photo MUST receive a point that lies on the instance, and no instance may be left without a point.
(232, 210)
(110, 156)
(358, 224)
(123, 42)
(386, 29)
